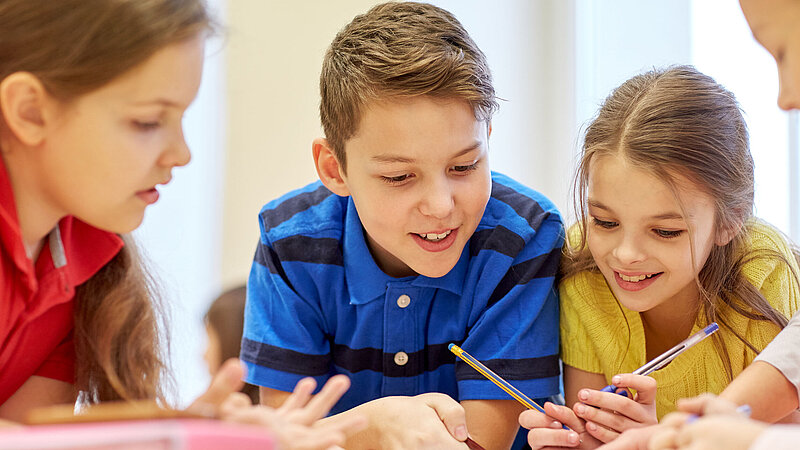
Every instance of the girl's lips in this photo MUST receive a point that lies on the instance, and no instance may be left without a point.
(438, 246)
(149, 196)
(635, 285)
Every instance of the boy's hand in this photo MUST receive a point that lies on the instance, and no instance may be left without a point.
(224, 388)
(546, 431)
(429, 420)
(613, 413)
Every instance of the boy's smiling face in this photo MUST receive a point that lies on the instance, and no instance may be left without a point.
(418, 173)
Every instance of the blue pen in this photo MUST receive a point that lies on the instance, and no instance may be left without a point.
(665, 358)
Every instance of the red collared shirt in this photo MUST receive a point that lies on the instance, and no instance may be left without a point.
(36, 299)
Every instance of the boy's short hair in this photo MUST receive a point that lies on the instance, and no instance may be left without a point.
(397, 50)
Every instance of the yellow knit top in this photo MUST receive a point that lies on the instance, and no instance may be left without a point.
(599, 335)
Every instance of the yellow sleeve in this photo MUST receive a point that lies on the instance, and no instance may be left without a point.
(576, 344)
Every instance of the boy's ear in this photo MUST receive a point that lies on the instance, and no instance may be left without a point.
(22, 103)
(328, 168)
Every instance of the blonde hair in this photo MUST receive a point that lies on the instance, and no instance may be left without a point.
(74, 47)
(678, 121)
(402, 49)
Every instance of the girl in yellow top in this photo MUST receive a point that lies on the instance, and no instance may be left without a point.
(665, 244)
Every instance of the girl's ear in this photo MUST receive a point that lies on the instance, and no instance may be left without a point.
(726, 234)
(329, 169)
(22, 104)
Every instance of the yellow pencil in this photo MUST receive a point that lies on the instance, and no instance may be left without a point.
(496, 379)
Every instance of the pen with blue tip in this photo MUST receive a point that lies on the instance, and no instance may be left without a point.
(665, 358)
(496, 379)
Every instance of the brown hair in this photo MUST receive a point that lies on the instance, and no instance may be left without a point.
(74, 47)
(678, 121)
(402, 49)
(226, 317)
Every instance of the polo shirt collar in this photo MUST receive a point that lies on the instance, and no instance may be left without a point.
(77, 247)
(366, 282)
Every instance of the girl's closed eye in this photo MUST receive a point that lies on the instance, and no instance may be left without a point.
(604, 223)
(147, 125)
(668, 234)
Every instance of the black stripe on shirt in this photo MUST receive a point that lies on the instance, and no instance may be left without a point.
(291, 206)
(283, 359)
(526, 207)
(542, 266)
(311, 250)
(499, 239)
(428, 359)
(512, 369)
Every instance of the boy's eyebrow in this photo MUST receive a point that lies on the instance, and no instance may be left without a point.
(390, 158)
(158, 101)
(664, 216)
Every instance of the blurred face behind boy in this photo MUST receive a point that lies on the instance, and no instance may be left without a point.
(639, 237)
(418, 173)
(776, 26)
(105, 152)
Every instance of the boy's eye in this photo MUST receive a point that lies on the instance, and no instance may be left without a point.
(468, 168)
(397, 179)
(604, 223)
(668, 234)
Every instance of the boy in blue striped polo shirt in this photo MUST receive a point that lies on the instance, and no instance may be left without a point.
(407, 244)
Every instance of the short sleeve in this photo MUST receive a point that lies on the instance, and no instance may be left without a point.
(60, 364)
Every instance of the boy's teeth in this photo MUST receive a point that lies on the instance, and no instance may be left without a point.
(435, 237)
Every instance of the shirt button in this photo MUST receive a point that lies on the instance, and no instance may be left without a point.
(403, 301)
(401, 358)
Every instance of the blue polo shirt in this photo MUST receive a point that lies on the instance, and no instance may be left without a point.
(318, 305)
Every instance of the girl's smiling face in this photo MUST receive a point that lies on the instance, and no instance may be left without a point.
(639, 235)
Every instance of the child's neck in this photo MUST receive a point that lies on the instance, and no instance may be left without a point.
(663, 331)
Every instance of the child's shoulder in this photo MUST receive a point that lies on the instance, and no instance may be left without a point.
(304, 210)
(513, 203)
(765, 236)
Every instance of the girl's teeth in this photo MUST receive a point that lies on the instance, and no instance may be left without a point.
(633, 279)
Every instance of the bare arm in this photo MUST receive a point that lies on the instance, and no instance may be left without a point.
(272, 397)
(577, 379)
(770, 395)
(492, 423)
(36, 392)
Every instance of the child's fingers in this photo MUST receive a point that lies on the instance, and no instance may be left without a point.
(227, 381)
(548, 437)
(450, 412)
(663, 439)
(604, 418)
(531, 418)
(675, 419)
(601, 433)
(300, 395)
(611, 402)
(326, 398)
(564, 415)
(706, 404)
(645, 386)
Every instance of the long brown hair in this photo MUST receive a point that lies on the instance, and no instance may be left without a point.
(74, 47)
(400, 49)
(680, 121)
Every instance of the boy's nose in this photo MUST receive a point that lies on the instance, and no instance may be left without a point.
(437, 200)
(789, 93)
(177, 154)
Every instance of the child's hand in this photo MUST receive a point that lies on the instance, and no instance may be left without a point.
(429, 420)
(296, 423)
(546, 431)
(224, 388)
(613, 413)
(706, 404)
(718, 431)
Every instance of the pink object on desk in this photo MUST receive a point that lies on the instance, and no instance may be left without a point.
(183, 434)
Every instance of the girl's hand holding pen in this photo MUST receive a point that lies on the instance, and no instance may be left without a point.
(608, 414)
(546, 431)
